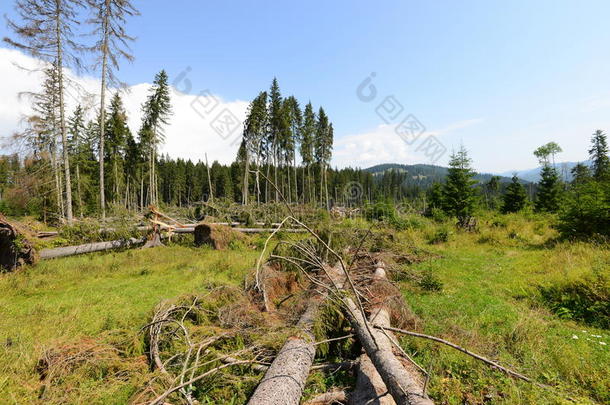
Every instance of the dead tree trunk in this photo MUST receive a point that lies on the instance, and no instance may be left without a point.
(403, 386)
(88, 248)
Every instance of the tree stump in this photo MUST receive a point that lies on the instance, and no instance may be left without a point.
(15, 249)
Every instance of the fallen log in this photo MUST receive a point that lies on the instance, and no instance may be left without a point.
(328, 398)
(89, 248)
(284, 381)
(403, 386)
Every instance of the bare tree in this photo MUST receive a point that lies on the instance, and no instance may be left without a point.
(46, 32)
(109, 19)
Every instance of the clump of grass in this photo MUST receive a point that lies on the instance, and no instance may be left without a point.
(88, 369)
(585, 299)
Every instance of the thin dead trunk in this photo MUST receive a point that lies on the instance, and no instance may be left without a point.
(62, 113)
(79, 191)
(207, 166)
(103, 112)
(57, 175)
(245, 188)
(141, 188)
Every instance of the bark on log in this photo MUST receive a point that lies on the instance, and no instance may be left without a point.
(370, 388)
(403, 386)
(328, 398)
(89, 247)
(283, 383)
(15, 249)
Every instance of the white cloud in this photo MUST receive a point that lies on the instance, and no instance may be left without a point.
(189, 135)
(384, 145)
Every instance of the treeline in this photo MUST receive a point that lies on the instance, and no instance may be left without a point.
(582, 205)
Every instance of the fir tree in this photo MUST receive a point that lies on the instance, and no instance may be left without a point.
(580, 174)
(323, 150)
(275, 125)
(599, 155)
(549, 187)
(435, 198)
(458, 193)
(255, 131)
(548, 196)
(515, 198)
(308, 131)
(117, 133)
(157, 110)
(76, 132)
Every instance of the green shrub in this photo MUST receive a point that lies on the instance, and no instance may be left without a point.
(380, 211)
(438, 215)
(441, 235)
(430, 282)
(586, 299)
(586, 212)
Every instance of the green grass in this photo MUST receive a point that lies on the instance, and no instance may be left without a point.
(489, 304)
(479, 290)
(60, 301)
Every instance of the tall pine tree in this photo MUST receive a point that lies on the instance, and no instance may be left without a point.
(157, 110)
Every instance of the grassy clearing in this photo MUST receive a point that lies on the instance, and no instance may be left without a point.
(480, 290)
(60, 301)
(490, 303)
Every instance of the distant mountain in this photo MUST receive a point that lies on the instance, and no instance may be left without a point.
(533, 175)
(426, 174)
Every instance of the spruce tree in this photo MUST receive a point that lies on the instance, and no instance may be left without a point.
(76, 132)
(157, 110)
(307, 150)
(46, 32)
(515, 198)
(580, 174)
(459, 196)
(295, 122)
(117, 133)
(276, 124)
(255, 132)
(549, 188)
(548, 196)
(323, 150)
(599, 155)
(435, 198)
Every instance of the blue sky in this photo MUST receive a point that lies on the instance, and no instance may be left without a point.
(499, 77)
